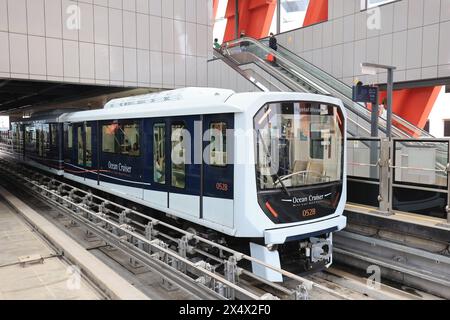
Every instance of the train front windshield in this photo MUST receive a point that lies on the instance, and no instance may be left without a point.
(298, 144)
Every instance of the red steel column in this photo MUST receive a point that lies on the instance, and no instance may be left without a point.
(255, 18)
(317, 12)
(415, 104)
(215, 6)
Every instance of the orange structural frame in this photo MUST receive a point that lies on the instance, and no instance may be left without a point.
(215, 7)
(317, 12)
(255, 18)
(415, 104)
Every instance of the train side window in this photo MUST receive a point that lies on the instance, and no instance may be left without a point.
(110, 143)
(69, 137)
(37, 140)
(178, 157)
(45, 139)
(68, 142)
(80, 146)
(54, 135)
(16, 137)
(131, 141)
(42, 136)
(88, 146)
(218, 144)
(29, 143)
(159, 152)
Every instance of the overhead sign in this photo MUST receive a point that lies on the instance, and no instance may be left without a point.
(365, 94)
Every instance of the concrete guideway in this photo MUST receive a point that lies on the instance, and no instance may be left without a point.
(401, 263)
(103, 276)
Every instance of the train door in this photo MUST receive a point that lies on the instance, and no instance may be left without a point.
(156, 162)
(22, 139)
(79, 148)
(83, 152)
(184, 169)
(218, 169)
(55, 146)
(68, 149)
(89, 161)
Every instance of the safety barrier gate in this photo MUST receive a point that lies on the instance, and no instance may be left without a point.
(407, 175)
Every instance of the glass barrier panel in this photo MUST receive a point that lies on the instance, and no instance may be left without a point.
(420, 178)
(363, 171)
(362, 159)
(421, 163)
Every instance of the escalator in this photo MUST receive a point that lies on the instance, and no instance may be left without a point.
(290, 72)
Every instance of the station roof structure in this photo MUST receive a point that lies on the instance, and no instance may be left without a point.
(20, 95)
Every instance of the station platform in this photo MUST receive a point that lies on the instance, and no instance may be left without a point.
(42, 274)
(32, 268)
(420, 226)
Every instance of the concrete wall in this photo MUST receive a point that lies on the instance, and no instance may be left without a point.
(412, 35)
(220, 75)
(145, 43)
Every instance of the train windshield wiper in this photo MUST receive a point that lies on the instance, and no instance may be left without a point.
(283, 185)
(268, 155)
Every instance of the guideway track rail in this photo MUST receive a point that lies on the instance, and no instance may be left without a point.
(411, 266)
(163, 253)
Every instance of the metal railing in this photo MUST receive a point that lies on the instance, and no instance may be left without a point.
(400, 175)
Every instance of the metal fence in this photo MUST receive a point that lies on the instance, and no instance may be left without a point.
(409, 175)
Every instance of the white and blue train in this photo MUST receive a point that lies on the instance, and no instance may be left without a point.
(266, 169)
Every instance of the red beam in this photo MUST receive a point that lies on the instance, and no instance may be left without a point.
(215, 6)
(317, 12)
(415, 104)
(255, 18)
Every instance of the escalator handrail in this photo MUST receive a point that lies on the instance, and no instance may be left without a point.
(299, 72)
(329, 78)
(219, 56)
(261, 61)
(263, 65)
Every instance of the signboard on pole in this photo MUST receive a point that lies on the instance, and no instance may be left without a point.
(365, 94)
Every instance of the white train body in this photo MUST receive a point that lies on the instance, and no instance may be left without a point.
(300, 201)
